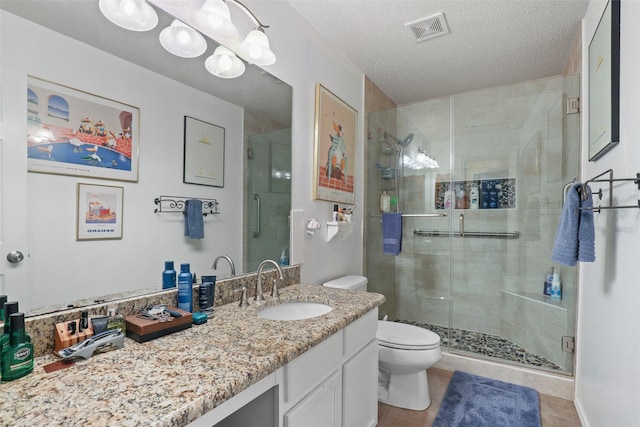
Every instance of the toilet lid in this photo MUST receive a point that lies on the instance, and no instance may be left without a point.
(403, 336)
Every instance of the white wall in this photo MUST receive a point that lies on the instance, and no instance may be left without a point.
(608, 372)
(304, 59)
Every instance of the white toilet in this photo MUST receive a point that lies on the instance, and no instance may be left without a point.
(405, 353)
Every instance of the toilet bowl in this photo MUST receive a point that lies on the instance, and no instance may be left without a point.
(405, 352)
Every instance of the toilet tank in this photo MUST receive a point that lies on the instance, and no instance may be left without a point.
(352, 282)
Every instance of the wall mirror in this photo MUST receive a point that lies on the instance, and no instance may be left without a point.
(257, 159)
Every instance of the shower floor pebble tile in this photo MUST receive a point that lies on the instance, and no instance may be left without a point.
(491, 346)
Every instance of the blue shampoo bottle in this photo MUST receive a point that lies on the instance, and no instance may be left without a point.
(185, 288)
(168, 275)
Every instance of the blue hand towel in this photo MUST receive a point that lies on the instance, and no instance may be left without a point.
(193, 219)
(575, 235)
(391, 233)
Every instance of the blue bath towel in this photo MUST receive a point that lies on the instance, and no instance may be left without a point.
(575, 235)
(193, 219)
(391, 233)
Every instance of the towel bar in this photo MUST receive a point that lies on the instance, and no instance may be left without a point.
(610, 180)
(167, 204)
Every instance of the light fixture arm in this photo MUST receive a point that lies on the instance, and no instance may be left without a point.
(259, 25)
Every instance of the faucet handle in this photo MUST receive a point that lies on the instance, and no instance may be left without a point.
(274, 291)
(244, 301)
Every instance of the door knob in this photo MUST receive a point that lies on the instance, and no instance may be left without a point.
(15, 257)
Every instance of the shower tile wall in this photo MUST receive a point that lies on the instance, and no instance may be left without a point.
(514, 131)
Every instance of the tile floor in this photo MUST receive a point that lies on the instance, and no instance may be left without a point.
(555, 412)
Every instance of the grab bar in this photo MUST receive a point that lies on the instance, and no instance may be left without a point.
(429, 215)
(435, 233)
(257, 199)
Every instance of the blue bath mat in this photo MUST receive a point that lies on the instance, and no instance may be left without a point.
(473, 401)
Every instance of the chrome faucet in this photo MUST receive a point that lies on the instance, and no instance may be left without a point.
(228, 258)
(259, 296)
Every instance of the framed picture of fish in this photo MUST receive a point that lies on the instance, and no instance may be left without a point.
(71, 132)
(99, 212)
(335, 147)
(203, 153)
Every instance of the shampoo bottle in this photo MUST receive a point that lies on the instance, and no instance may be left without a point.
(474, 197)
(17, 355)
(556, 287)
(168, 276)
(185, 288)
(284, 258)
(385, 202)
(547, 282)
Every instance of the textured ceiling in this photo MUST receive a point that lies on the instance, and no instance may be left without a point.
(490, 43)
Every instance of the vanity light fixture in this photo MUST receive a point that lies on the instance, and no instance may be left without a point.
(193, 20)
(255, 49)
(182, 40)
(134, 15)
(224, 63)
(214, 17)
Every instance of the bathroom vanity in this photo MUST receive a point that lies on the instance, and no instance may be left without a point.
(237, 369)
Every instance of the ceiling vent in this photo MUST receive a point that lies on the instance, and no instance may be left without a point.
(428, 28)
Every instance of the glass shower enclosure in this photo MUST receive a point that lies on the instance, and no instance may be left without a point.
(478, 226)
(267, 182)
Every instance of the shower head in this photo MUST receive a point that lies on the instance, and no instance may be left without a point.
(406, 141)
(401, 142)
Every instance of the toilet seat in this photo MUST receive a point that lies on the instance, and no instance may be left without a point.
(406, 337)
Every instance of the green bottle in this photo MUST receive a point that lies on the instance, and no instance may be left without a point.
(3, 299)
(8, 309)
(17, 355)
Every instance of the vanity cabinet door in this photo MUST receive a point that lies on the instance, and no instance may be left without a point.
(360, 388)
(320, 408)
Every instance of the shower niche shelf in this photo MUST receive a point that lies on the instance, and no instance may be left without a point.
(342, 229)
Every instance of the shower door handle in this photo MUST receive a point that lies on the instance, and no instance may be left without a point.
(256, 233)
(461, 225)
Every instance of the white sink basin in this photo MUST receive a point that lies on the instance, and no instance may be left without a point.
(295, 310)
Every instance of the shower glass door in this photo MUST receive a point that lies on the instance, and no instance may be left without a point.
(476, 275)
(267, 197)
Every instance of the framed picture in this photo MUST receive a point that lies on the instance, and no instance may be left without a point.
(604, 83)
(335, 148)
(99, 212)
(70, 132)
(203, 153)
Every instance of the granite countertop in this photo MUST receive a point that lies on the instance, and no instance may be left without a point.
(173, 380)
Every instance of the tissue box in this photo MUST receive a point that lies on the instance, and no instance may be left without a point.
(143, 330)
